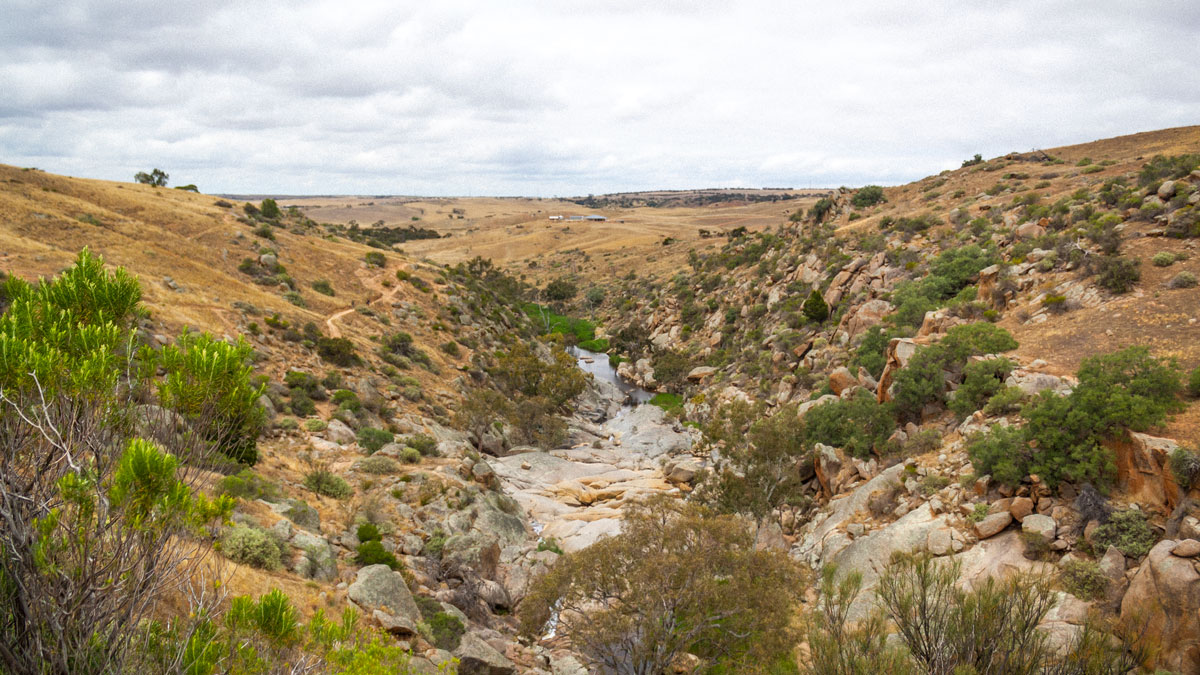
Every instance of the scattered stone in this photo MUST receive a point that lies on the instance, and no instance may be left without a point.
(700, 372)
(993, 524)
(841, 379)
(476, 657)
(1188, 548)
(379, 587)
(339, 433)
(1041, 525)
(1020, 507)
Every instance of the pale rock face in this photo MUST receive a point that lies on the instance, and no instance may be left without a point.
(1165, 597)
(477, 657)
(378, 587)
(338, 432)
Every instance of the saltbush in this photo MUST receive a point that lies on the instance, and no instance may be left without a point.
(377, 465)
(325, 482)
(1128, 531)
(1182, 280)
(1083, 579)
(1163, 259)
(1185, 467)
(252, 546)
(248, 485)
(424, 443)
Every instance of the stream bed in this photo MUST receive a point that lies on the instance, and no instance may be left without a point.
(597, 364)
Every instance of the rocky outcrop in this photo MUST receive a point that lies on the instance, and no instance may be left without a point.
(899, 351)
(338, 432)
(576, 495)
(476, 657)
(1164, 600)
(382, 590)
(1143, 470)
(869, 314)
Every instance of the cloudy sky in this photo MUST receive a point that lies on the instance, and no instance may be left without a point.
(443, 97)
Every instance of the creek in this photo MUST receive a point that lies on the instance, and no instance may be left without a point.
(598, 365)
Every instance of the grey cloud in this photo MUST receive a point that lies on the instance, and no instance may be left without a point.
(564, 98)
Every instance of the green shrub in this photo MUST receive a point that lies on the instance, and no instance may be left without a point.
(338, 351)
(978, 513)
(301, 404)
(815, 309)
(347, 400)
(269, 209)
(670, 368)
(868, 196)
(208, 382)
(1083, 579)
(1182, 280)
(424, 443)
(410, 455)
(1117, 274)
(982, 380)
(373, 553)
(1193, 384)
(287, 423)
(324, 482)
(323, 287)
(248, 485)
(1007, 400)
(921, 382)
(368, 532)
(859, 425)
(375, 259)
(1163, 167)
(820, 210)
(595, 296)
(1185, 467)
(450, 348)
(871, 351)
(560, 290)
(372, 439)
(377, 465)
(1128, 531)
(1128, 389)
(252, 546)
(1163, 259)
(315, 425)
(265, 232)
(447, 630)
(1001, 453)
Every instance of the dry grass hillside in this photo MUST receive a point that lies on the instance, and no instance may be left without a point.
(517, 233)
